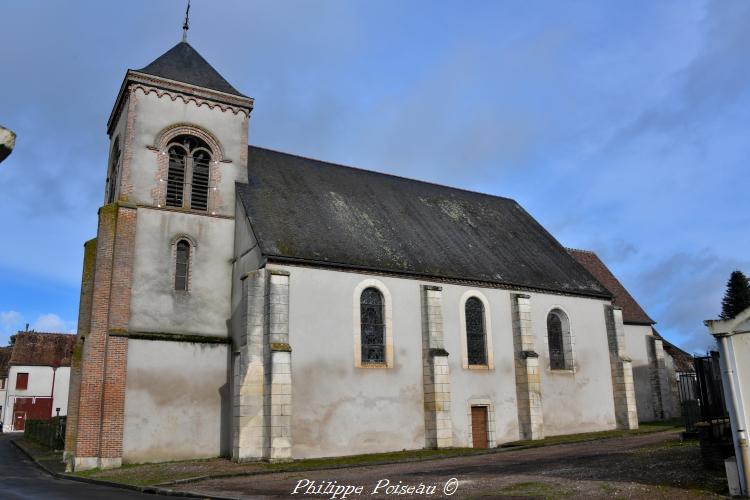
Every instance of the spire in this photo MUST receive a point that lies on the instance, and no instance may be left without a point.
(186, 24)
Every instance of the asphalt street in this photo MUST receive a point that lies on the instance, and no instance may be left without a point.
(20, 478)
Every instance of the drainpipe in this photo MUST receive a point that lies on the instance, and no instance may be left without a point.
(738, 414)
(52, 393)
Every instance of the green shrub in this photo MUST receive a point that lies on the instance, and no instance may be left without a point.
(50, 433)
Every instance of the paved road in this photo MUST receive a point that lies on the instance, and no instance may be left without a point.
(20, 478)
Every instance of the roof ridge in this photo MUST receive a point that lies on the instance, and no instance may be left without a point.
(385, 174)
(571, 249)
(44, 333)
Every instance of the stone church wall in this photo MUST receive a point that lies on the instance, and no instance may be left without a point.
(154, 115)
(157, 307)
(177, 401)
(339, 408)
(581, 399)
(637, 339)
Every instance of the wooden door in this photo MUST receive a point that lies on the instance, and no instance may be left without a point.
(19, 420)
(479, 426)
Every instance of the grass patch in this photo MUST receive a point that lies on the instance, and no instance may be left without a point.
(645, 428)
(370, 459)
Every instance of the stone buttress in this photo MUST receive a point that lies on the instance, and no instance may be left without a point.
(528, 381)
(262, 371)
(626, 414)
(436, 375)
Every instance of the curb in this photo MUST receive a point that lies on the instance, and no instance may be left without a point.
(152, 490)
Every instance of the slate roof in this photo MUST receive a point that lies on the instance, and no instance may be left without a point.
(632, 312)
(184, 64)
(42, 349)
(305, 210)
(5, 353)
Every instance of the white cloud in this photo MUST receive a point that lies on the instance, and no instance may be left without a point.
(49, 323)
(10, 320)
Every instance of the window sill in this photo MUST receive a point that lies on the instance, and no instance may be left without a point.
(561, 371)
(479, 367)
(373, 365)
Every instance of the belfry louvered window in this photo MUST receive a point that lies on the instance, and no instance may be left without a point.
(372, 326)
(114, 167)
(476, 340)
(188, 177)
(556, 342)
(182, 265)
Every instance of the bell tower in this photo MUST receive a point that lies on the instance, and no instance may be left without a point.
(156, 286)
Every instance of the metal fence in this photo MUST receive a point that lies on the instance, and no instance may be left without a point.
(714, 428)
(687, 385)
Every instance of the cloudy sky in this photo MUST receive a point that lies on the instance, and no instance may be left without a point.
(621, 126)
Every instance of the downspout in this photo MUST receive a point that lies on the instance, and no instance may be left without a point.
(738, 413)
(52, 393)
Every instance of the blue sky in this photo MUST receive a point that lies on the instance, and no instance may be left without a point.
(621, 126)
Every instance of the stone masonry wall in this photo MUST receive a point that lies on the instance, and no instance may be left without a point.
(435, 374)
(626, 414)
(528, 381)
(262, 384)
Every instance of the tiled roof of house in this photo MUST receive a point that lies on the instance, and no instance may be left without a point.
(184, 64)
(5, 353)
(42, 349)
(309, 211)
(683, 362)
(632, 312)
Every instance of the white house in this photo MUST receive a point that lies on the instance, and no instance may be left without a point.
(733, 337)
(250, 303)
(5, 353)
(38, 378)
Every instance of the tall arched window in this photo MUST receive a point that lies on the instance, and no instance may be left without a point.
(182, 266)
(189, 173)
(559, 341)
(114, 163)
(476, 341)
(372, 321)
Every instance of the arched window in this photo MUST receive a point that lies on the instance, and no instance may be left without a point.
(476, 344)
(114, 163)
(189, 173)
(559, 341)
(182, 265)
(372, 324)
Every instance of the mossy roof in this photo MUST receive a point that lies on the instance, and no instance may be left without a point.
(305, 210)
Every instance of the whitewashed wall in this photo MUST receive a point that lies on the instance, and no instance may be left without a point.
(339, 409)
(176, 401)
(637, 340)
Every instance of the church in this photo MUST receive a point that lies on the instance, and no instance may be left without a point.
(249, 303)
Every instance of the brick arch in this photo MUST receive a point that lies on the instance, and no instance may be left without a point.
(167, 134)
(163, 138)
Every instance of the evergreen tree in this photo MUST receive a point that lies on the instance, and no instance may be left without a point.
(737, 297)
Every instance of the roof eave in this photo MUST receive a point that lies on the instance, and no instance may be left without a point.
(135, 76)
(281, 259)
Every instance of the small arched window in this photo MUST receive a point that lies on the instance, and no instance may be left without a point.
(189, 173)
(559, 341)
(372, 321)
(182, 266)
(476, 340)
(114, 163)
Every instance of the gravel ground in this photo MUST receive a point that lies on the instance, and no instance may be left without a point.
(647, 466)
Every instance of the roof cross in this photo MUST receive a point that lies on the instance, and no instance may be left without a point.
(186, 25)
